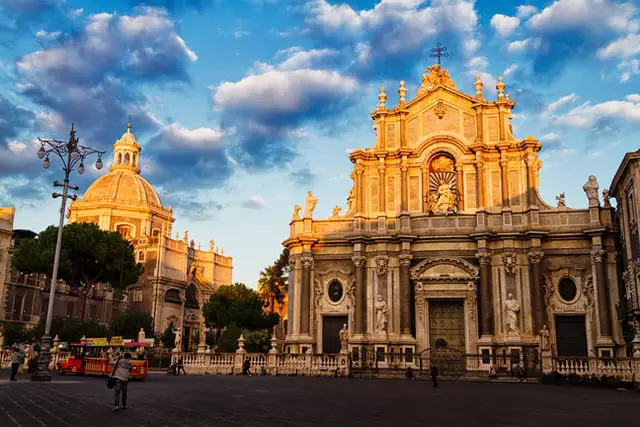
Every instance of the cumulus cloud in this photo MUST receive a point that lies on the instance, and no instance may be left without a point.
(254, 202)
(176, 5)
(525, 11)
(599, 116)
(94, 76)
(559, 103)
(504, 25)
(24, 16)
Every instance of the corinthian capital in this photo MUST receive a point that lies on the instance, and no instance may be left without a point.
(306, 262)
(405, 259)
(598, 255)
(358, 261)
(483, 257)
(535, 257)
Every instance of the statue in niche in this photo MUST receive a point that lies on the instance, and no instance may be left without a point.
(545, 338)
(591, 189)
(344, 337)
(141, 335)
(296, 212)
(382, 315)
(443, 192)
(511, 309)
(310, 205)
(561, 203)
(443, 200)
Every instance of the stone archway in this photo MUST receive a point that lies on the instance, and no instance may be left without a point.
(445, 290)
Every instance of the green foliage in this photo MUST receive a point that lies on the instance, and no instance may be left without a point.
(13, 333)
(69, 330)
(228, 342)
(168, 337)
(240, 305)
(89, 255)
(128, 323)
(257, 342)
(273, 280)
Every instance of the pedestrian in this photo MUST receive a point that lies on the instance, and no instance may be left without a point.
(409, 373)
(17, 359)
(121, 367)
(434, 375)
(181, 366)
(246, 367)
(492, 372)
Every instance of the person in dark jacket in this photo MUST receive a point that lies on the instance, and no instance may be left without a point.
(17, 358)
(434, 375)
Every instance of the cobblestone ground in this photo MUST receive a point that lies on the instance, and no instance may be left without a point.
(302, 401)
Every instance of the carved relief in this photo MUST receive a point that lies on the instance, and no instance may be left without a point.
(509, 260)
(445, 269)
(322, 302)
(382, 266)
(472, 298)
(443, 186)
(440, 109)
(535, 257)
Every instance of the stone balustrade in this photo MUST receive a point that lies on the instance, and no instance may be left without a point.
(627, 369)
(5, 359)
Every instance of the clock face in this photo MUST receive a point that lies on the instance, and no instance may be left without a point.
(335, 291)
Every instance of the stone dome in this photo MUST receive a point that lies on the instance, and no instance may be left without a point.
(122, 187)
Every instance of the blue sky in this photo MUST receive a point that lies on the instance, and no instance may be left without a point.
(241, 106)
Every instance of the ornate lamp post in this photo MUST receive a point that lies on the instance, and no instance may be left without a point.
(73, 156)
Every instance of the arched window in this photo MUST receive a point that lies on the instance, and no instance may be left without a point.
(119, 158)
(126, 159)
(191, 297)
(133, 163)
(172, 296)
(125, 231)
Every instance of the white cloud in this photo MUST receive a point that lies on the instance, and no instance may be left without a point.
(559, 103)
(633, 97)
(307, 59)
(51, 121)
(478, 63)
(529, 44)
(628, 69)
(588, 115)
(240, 33)
(525, 11)
(510, 70)
(254, 202)
(504, 25)
(624, 47)
(550, 138)
(46, 35)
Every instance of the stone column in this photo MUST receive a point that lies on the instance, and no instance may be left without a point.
(530, 160)
(359, 189)
(460, 185)
(537, 290)
(361, 295)
(404, 184)
(291, 296)
(486, 294)
(504, 168)
(425, 188)
(382, 206)
(405, 294)
(305, 296)
(480, 180)
(604, 315)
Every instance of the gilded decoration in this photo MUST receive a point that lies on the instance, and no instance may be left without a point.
(435, 76)
(443, 187)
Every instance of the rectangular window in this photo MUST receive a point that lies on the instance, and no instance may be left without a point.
(140, 256)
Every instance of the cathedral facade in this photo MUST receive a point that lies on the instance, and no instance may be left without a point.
(179, 275)
(447, 242)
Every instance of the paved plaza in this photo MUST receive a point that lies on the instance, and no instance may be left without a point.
(306, 401)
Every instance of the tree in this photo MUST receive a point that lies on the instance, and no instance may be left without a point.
(88, 256)
(13, 333)
(237, 304)
(128, 323)
(257, 342)
(228, 342)
(168, 337)
(69, 330)
(273, 280)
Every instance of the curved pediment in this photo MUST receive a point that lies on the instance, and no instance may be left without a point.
(445, 268)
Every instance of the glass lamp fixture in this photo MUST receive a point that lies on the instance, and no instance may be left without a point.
(41, 153)
(46, 163)
(81, 168)
(99, 163)
(75, 154)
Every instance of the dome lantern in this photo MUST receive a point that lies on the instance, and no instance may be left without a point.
(126, 153)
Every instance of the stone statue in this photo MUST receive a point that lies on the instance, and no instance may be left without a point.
(141, 335)
(545, 338)
(177, 343)
(382, 315)
(605, 198)
(344, 338)
(296, 212)
(337, 211)
(443, 201)
(561, 203)
(512, 308)
(310, 205)
(350, 199)
(591, 189)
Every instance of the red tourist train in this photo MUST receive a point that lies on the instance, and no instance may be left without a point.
(92, 356)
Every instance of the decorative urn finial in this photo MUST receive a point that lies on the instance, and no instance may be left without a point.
(500, 86)
(478, 84)
(402, 92)
(383, 99)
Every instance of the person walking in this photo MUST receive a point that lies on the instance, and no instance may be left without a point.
(181, 366)
(17, 359)
(434, 375)
(121, 368)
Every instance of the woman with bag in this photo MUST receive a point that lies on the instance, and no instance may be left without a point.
(119, 379)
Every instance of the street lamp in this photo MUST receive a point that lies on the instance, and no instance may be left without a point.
(71, 153)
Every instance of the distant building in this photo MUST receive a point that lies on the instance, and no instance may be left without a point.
(178, 275)
(6, 230)
(625, 188)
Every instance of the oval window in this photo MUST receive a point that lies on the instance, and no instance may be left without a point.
(567, 289)
(335, 291)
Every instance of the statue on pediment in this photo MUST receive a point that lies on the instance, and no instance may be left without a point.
(296, 213)
(336, 211)
(434, 76)
(310, 205)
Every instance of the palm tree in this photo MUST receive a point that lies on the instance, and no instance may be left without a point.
(273, 280)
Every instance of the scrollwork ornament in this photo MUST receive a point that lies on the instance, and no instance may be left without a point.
(472, 291)
(405, 259)
(535, 257)
(509, 260)
(358, 261)
(483, 257)
(306, 262)
(549, 289)
(419, 286)
(598, 255)
(382, 266)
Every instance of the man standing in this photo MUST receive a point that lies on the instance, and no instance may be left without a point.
(434, 375)
(121, 368)
(17, 359)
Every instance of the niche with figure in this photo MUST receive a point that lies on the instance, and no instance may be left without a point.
(442, 194)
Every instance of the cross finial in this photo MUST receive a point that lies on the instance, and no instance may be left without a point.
(438, 52)
(129, 124)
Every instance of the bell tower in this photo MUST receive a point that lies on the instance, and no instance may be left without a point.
(126, 153)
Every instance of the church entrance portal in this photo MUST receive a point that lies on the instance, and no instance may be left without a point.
(446, 324)
(331, 326)
(571, 336)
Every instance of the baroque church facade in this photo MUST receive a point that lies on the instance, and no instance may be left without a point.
(179, 275)
(447, 242)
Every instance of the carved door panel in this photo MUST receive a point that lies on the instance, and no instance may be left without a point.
(331, 326)
(446, 322)
(571, 336)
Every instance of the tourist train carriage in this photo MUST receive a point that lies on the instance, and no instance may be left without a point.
(92, 356)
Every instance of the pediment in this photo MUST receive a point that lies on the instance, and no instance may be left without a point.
(444, 268)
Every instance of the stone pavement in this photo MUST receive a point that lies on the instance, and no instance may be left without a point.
(306, 401)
